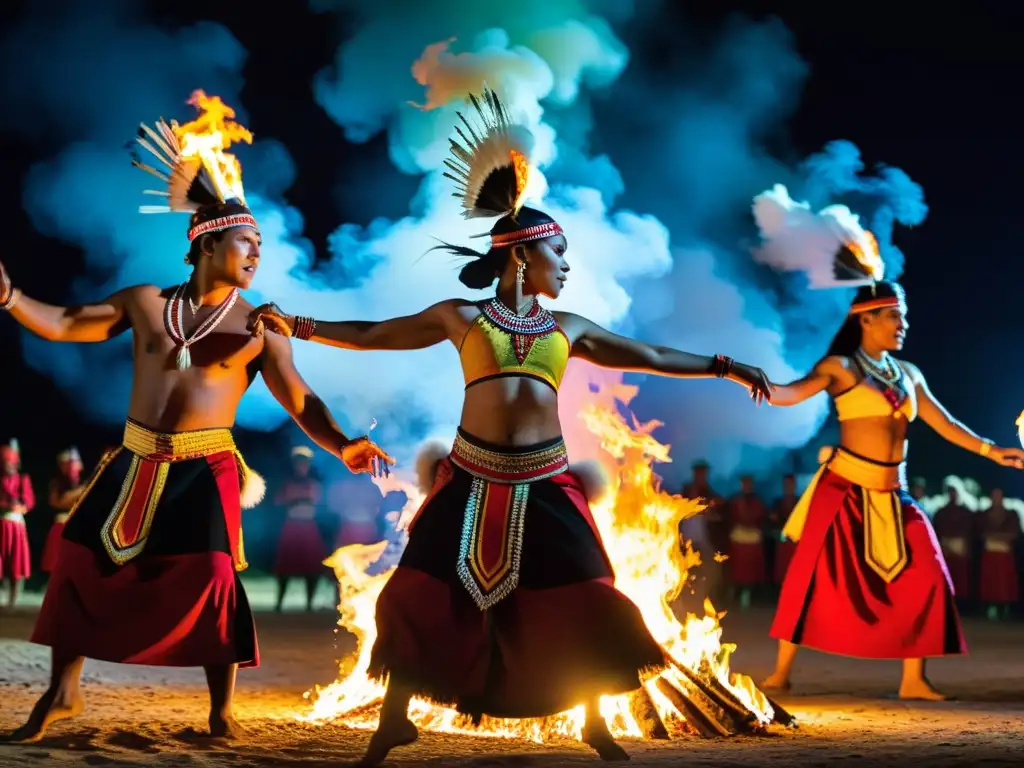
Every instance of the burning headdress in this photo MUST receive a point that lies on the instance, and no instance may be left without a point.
(491, 169)
(201, 178)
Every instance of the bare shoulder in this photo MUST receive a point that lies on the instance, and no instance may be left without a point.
(144, 294)
(911, 370)
(571, 323)
(834, 364)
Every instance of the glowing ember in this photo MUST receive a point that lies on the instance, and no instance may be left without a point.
(206, 137)
(639, 524)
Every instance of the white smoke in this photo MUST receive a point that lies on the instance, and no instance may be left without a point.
(607, 249)
(794, 238)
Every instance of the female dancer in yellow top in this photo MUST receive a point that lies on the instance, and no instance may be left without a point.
(867, 578)
(503, 603)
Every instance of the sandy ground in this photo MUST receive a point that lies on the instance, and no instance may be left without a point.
(145, 716)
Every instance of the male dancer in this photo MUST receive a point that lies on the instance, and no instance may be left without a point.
(147, 571)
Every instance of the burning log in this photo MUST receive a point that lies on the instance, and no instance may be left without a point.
(739, 718)
(641, 706)
(781, 716)
(685, 702)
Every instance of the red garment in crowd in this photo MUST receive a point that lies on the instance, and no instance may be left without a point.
(747, 517)
(15, 556)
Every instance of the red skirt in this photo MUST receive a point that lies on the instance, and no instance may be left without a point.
(15, 555)
(301, 551)
(51, 548)
(146, 574)
(998, 579)
(746, 564)
(832, 601)
(554, 638)
(784, 552)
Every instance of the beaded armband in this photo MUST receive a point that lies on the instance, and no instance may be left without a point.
(304, 327)
(721, 366)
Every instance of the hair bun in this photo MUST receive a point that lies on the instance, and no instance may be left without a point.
(477, 274)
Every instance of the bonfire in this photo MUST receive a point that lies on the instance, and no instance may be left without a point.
(639, 522)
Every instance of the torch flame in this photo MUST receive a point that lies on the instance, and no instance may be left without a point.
(206, 137)
(1020, 428)
(639, 524)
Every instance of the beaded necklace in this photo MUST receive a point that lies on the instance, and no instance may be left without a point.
(524, 329)
(174, 313)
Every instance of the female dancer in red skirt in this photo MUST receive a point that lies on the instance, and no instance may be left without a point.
(65, 489)
(868, 578)
(504, 602)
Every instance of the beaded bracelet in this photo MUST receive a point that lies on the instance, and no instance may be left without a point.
(304, 327)
(721, 366)
(11, 300)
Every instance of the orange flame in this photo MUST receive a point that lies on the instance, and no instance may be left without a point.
(639, 524)
(866, 250)
(206, 137)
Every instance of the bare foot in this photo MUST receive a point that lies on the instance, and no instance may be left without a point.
(225, 727)
(388, 737)
(599, 738)
(47, 711)
(920, 690)
(776, 682)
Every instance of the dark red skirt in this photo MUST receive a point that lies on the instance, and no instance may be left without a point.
(959, 573)
(301, 550)
(832, 601)
(746, 564)
(15, 555)
(51, 548)
(562, 636)
(998, 578)
(784, 552)
(177, 601)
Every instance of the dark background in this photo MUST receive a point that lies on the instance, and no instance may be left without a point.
(936, 94)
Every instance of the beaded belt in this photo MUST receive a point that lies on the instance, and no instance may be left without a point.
(126, 529)
(509, 468)
(491, 546)
(176, 446)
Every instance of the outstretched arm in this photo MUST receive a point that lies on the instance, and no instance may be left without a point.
(935, 415)
(609, 350)
(309, 411)
(820, 378)
(424, 329)
(90, 322)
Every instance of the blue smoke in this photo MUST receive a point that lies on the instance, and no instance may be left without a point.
(651, 171)
(124, 71)
(685, 146)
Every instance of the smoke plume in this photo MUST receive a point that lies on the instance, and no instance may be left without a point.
(650, 170)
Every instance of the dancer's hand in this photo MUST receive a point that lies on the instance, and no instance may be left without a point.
(272, 317)
(1007, 457)
(363, 455)
(5, 284)
(754, 379)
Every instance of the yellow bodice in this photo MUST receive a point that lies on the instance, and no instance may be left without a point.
(866, 400)
(490, 350)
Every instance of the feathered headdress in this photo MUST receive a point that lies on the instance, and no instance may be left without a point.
(857, 261)
(491, 168)
(202, 179)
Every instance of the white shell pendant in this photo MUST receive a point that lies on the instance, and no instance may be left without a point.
(184, 359)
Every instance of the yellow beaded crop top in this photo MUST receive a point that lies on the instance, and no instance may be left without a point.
(879, 393)
(502, 343)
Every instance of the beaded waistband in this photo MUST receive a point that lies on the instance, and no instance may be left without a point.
(176, 446)
(510, 468)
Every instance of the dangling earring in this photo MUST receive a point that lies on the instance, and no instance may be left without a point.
(520, 280)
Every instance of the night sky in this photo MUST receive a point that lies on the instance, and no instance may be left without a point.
(934, 94)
